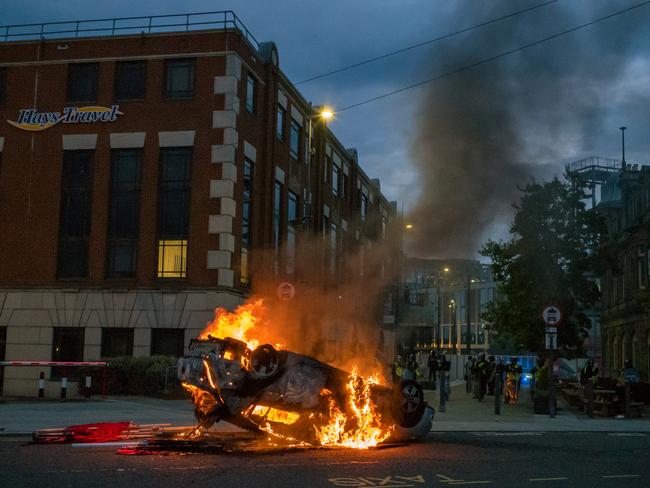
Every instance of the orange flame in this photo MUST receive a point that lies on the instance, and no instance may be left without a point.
(363, 428)
(242, 324)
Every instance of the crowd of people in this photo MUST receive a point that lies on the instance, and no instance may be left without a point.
(486, 374)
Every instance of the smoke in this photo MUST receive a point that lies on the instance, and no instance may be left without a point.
(333, 318)
(483, 132)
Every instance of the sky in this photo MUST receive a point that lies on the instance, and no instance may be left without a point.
(450, 152)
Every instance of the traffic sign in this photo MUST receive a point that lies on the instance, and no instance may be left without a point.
(551, 315)
(551, 341)
(550, 330)
(286, 291)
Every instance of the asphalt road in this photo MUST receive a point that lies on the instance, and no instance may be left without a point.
(503, 459)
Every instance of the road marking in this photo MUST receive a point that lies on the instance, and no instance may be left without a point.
(548, 479)
(371, 481)
(627, 434)
(452, 481)
(507, 434)
(621, 476)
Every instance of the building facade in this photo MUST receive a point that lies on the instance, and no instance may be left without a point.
(626, 279)
(433, 306)
(147, 178)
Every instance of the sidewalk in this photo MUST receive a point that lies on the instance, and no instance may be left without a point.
(25, 417)
(465, 414)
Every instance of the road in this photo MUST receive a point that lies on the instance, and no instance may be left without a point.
(503, 459)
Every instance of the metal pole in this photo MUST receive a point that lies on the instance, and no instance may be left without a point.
(551, 386)
(623, 145)
(468, 313)
(497, 391)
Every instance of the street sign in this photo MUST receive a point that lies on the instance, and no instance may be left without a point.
(550, 330)
(551, 341)
(552, 315)
(286, 291)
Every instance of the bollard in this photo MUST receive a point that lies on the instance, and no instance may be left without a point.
(589, 396)
(41, 385)
(628, 398)
(88, 386)
(497, 394)
(443, 392)
(64, 387)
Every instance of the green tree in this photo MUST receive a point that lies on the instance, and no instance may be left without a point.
(550, 259)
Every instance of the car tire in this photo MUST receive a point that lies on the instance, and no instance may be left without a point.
(265, 362)
(408, 403)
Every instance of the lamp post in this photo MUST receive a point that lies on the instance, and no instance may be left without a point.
(316, 113)
(439, 305)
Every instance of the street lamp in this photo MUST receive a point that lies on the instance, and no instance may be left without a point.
(316, 113)
(439, 305)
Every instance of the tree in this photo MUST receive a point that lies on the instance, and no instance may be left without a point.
(550, 259)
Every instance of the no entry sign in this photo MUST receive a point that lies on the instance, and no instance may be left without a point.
(551, 315)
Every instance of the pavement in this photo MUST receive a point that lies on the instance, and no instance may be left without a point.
(463, 414)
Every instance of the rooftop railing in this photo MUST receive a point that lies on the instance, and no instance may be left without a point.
(128, 25)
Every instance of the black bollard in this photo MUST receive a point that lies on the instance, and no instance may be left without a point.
(41, 385)
(628, 398)
(497, 394)
(443, 392)
(589, 397)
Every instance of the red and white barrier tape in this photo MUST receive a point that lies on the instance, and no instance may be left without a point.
(53, 363)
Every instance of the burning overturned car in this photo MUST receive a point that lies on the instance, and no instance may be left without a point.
(297, 398)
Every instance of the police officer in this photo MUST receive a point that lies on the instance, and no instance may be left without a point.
(481, 368)
(513, 375)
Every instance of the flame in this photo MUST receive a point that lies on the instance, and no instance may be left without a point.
(363, 428)
(240, 324)
(202, 400)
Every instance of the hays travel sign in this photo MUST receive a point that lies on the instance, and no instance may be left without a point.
(33, 120)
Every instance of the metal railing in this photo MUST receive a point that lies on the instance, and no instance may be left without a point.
(595, 162)
(226, 19)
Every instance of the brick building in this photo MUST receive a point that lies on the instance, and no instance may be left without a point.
(152, 170)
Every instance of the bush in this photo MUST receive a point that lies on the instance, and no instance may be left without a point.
(134, 376)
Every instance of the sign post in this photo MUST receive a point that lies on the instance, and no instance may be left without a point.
(552, 317)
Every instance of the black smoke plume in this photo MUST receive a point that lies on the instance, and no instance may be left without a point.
(484, 131)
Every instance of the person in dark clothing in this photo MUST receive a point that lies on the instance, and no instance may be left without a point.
(432, 365)
(589, 372)
(481, 367)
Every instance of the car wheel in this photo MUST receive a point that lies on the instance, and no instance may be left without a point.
(265, 362)
(409, 403)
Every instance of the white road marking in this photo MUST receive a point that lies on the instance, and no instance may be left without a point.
(507, 434)
(548, 479)
(485, 482)
(621, 476)
(627, 434)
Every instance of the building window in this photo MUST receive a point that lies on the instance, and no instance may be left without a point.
(364, 207)
(179, 78)
(130, 80)
(251, 91)
(280, 129)
(123, 212)
(277, 221)
(292, 216)
(75, 214)
(167, 342)
(173, 211)
(83, 82)
(244, 274)
(294, 139)
(117, 341)
(3, 86)
(336, 171)
(67, 345)
(172, 258)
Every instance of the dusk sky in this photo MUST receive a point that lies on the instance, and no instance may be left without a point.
(532, 105)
